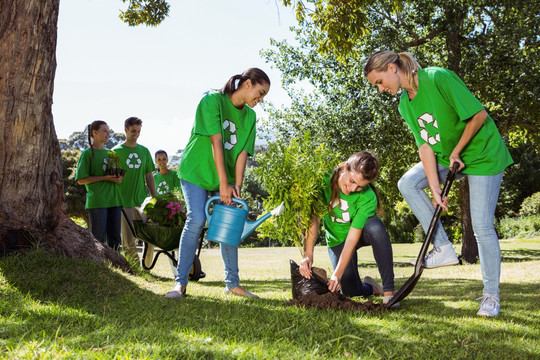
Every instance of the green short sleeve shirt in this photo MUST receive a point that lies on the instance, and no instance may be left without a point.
(352, 210)
(166, 183)
(101, 194)
(137, 161)
(216, 114)
(437, 116)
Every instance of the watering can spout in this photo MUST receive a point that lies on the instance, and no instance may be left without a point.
(250, 226)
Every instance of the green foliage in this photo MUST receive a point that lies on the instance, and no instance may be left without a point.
(148, 12)
(522, 227)
(531, 205)
(165, 210)
(292, 172)
(493, 46)
(342, 22)
(75, 194)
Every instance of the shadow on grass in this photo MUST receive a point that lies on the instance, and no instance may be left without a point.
(92, 305)
(520, 255)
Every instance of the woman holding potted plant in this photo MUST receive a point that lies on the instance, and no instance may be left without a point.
(98, 171)
(351, 223)
(213, 162)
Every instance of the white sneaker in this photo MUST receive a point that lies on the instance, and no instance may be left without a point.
(440, 256)
(489, 306)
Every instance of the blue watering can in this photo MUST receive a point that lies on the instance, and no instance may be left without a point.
(229, 225)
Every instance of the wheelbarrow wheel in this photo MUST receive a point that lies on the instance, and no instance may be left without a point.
(196, 272)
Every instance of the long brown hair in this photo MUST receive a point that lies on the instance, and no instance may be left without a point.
(94, 126)
(404, 61)
(256, 75)
(363, 163)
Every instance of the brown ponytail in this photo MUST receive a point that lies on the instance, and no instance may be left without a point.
(94, 126)
(363, 163)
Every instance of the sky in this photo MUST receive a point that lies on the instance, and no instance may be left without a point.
(109, 71)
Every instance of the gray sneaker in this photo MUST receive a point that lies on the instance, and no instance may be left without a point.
(377, 288)
(489, 306)
(440, 256)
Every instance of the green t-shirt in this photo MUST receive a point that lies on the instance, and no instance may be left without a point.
(352, 210)
(101, 194)
(166, 183)
(437, 116)
(137, 161)
(216, 114)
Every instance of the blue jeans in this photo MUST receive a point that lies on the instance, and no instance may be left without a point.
(196, 198)
(374, 234)
(105, 225)
(484, 192)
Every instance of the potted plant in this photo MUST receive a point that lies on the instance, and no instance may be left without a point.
(113, 165)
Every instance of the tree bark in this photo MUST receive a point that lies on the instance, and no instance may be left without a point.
(455, 16)
(32, 205)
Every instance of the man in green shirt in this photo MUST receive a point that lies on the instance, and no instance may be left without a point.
(137, 161)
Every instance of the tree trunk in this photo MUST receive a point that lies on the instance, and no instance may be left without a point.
(455, 16)
(32, 205)
(469, 250)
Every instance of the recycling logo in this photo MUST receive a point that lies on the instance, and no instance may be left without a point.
(345, 215)
(105, 161)
(423, 121)
(229, 144)
(133, 161)
(163, 188)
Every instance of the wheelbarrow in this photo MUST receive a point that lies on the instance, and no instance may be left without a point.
(166, 239)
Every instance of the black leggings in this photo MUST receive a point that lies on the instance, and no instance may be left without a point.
(374, 234)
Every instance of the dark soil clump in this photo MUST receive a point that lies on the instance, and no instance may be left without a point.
(334, 301)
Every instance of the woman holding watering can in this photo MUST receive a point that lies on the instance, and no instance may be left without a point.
(350, 224)
(450, 126)
(213, 162)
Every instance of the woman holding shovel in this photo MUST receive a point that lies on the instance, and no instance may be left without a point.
(350, 224)
(450, 126)
(213, 163)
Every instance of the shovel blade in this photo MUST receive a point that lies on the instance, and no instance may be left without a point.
(405, 289)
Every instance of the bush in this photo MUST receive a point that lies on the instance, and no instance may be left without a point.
(531, 205)
(520, 227)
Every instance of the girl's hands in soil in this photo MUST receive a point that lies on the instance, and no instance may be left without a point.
(305, 267)
(334, 285)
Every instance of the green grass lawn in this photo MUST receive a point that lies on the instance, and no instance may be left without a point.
(54, 308)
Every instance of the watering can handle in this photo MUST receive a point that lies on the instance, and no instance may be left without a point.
(216, 198)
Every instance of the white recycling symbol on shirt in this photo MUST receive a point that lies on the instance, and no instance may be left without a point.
(133, 157)
(105, 161)
(345, 215)
(163, 188)
(423, 120)
(229, 144)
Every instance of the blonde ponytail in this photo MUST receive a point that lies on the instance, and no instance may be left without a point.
(404, 61)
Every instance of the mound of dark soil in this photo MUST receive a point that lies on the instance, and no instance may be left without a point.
(334, 301)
